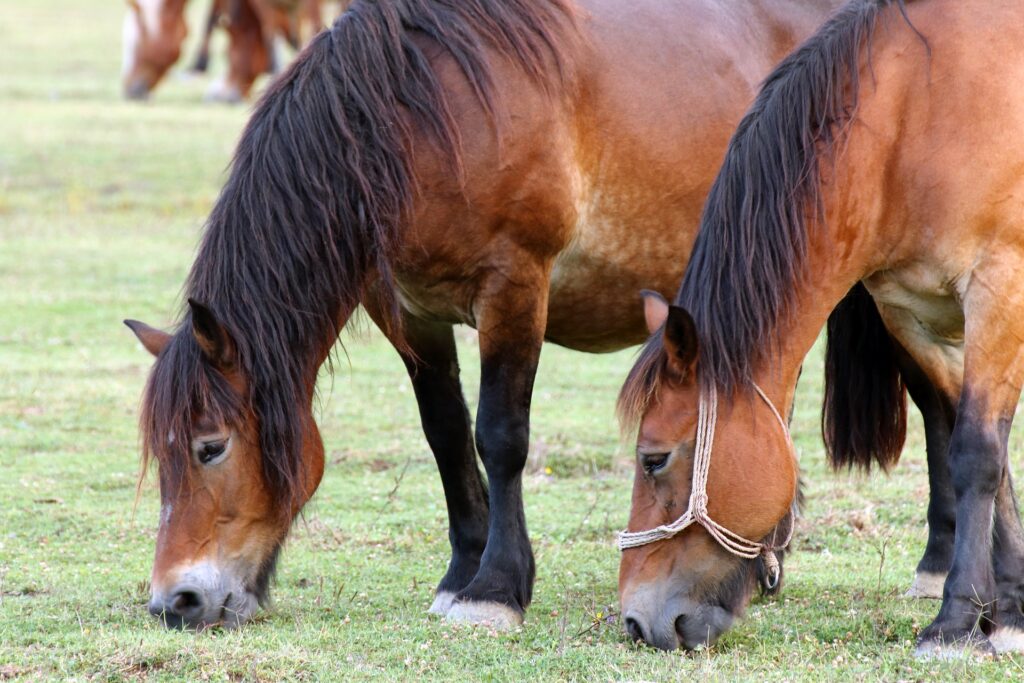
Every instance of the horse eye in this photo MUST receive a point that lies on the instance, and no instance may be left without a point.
(211, 450)
(652, 462)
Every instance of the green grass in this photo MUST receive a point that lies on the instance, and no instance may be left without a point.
(101, 203)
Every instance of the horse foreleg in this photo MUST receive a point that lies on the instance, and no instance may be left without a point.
(992, 379)
(511, 316)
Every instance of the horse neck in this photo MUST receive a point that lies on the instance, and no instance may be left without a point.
(792, 20)
(841, 252)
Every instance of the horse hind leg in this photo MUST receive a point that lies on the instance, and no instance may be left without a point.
(434, 372)
(433, 367)
(938, 414)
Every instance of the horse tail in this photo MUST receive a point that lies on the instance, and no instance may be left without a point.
(864, 416)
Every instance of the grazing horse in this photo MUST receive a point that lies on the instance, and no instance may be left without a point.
(508, 165)
(875, 154)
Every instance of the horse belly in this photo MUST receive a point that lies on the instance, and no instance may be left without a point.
(594, 302)
(922, 309)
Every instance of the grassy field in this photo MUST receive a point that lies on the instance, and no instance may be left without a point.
(101, 203)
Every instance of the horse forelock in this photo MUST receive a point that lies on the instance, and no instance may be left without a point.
(182, 386)
(641, 384)
(319, 188)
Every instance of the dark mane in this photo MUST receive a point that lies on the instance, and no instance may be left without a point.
(751, 247)
(315, 202)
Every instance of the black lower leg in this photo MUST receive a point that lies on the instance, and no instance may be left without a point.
(434, 372)
(1008, 557)
(977, 465)
(939, 415)
(503, 431)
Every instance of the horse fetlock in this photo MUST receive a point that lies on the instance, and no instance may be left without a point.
(927, 585)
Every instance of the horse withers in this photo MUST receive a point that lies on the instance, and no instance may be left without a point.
(875, 154)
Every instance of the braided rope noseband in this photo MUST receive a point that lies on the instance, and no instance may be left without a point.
(697, 510)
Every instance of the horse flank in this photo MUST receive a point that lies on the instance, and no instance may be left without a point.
(751, 247)
(318, 192)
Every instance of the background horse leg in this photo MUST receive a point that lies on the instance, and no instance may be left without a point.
(202, 61)
(434, 371)
(511, 321)
(247, 55)
(939, 414)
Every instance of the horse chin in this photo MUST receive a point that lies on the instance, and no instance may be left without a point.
(671, 622)
(703, 627)
(238, 609)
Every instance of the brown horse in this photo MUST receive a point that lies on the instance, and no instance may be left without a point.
(508, 165)
(876, 153)
(155, 30)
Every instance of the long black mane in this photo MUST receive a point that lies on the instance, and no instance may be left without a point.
(752, 244)
(317, 195)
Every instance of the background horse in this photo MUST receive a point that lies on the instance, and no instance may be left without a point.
(888, 171)
(155, 30)
(486, 164)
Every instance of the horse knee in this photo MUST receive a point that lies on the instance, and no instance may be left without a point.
(503, 442)
(977, 460)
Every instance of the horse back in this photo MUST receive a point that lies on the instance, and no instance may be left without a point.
(598, 182)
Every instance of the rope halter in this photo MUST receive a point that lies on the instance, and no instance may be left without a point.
(697, 510)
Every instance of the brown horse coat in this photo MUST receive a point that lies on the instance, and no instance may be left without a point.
(522, 167)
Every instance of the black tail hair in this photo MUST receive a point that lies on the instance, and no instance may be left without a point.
(864, 416)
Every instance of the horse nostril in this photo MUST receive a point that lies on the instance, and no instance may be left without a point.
(187, 602)
(636, 633)
(680, 625)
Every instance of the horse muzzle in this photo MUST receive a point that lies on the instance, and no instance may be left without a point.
(203, 598)
(673, 623)
(137, 89)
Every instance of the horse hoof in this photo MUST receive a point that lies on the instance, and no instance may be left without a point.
(1007, 639)
(926, 585)
(496, 615)
(442, 603)
(974, 646)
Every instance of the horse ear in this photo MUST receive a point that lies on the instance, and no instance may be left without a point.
(680, 339)
(214, 340)
(655, 309)
(153, 340)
